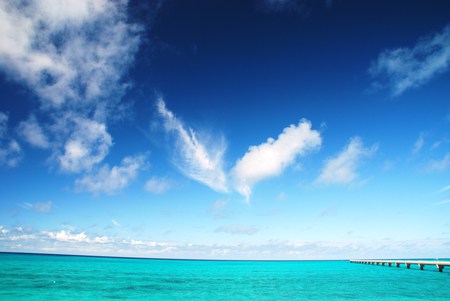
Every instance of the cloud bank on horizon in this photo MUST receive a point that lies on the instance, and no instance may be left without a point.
(86, 243)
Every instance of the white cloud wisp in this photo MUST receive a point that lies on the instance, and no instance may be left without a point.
(110, 180)
(33, 133)
(271, 158)
(342, 168)
(40, 207)
(158, 185)
(438, 165)
(401, 69)
(195, 157)
(302, 7)
(10, 150)
(87, 146)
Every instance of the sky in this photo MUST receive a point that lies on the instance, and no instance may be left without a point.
(226, 129)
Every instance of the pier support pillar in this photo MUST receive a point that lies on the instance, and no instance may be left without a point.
(408, 265)
(421, 266)
(389, 264)
(440, 267)
(397, 264)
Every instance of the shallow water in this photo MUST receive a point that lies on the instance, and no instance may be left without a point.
(48, 277)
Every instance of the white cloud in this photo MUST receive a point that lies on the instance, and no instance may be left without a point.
(220, 210)
(87, 146)
(72, 55)
(40, 207)
(218, 205)
(439, 143)
(111, 180)
(158, 185)
(3, 124)
(82, 237)
(32, 132)
(66, 51)
(342, 169)
(401, 69)
(237, 229)
(10, 150)
(438, 165)
(419, 144)
(269, 159)
(3, 230)
(10, 154)
(197, 158)
(64, 235)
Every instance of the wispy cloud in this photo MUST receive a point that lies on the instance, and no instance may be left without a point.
(10, 150)
(198, 158)
(446, 188)
(437, 144)
(302, 7)
(218, 205)
(111, 180)
(401, 69)
(282, 197)
(33, 133)
(284, 5)
(418, 144)
(444, 202)
(237, 229)
(438, 165)
(342, 168)
(87, 146)
(271, 158)
(220, 210)
(158, 185)
(40, 206)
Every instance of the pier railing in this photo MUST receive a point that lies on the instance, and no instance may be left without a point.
(420, 263)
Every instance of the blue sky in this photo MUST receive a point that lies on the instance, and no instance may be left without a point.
(260, 129)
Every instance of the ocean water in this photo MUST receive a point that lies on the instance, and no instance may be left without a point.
(48, 277)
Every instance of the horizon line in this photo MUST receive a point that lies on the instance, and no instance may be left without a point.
(159, 258)
(199, 259)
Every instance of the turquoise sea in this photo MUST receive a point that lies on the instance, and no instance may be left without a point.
(51, 277)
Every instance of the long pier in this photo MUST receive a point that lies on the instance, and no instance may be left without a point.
(420, 263)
